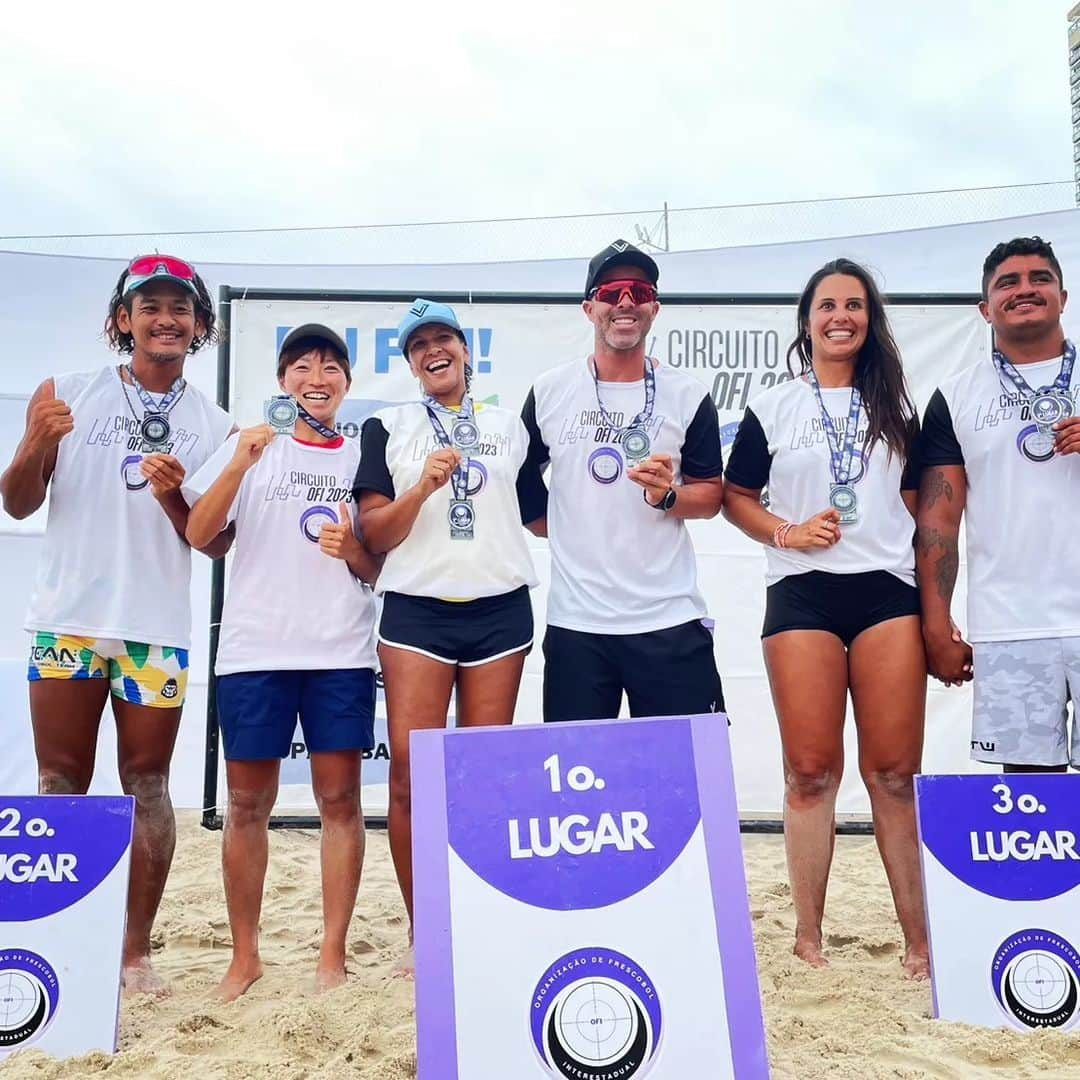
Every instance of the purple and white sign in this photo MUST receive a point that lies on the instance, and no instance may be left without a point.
(1001, 872)
(581, 906)
(63, 867)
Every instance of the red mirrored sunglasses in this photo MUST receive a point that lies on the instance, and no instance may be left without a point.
(148, 265)
(612, 292)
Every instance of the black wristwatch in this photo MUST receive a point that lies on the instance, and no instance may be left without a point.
(666, 503)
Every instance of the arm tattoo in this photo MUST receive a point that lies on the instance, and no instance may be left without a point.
(935, 486)
(947, 561)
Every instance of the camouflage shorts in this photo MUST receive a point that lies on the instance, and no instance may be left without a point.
(1022, 690)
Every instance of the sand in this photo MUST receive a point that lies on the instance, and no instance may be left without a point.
(860, 1018)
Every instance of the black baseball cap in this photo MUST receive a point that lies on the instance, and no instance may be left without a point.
(314, 330)
(616, 253)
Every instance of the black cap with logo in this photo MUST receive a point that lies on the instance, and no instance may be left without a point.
(616, 253)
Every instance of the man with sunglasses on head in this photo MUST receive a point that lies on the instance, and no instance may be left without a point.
(111, 610)
(634, 451)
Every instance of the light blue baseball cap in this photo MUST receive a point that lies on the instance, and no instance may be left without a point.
(423, 313)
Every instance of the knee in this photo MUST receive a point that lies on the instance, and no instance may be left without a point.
(150, 786)
(63, 780)
(249, 807)
(894, 783)
(340, 803)
(810, 783)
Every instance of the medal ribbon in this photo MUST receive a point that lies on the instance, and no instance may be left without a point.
(1060, 385)
(642, 419)
(460, 479)
(315, 425)
(172, 395)
(840, 454)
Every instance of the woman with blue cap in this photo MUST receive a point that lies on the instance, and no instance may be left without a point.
(438, 493)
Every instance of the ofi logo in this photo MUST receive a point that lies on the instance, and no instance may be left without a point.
(1035, 975)
(314, 518)
(29, 994)
(386, 346)
(595, 1014)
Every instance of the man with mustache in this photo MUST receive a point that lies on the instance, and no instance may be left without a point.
(111, 611)
(634, 451)
(1001, 444)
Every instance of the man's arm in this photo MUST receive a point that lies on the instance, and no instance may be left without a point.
(942, 497)
(25, 480)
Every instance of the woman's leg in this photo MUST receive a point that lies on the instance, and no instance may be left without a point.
(417, 696)
(808, 674)
(487, 693)
(888, 688)
(252, 790)
(335, 779)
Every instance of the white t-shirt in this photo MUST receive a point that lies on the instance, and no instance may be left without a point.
(396, 442)
(618, 565)
(288, 606)
(1022, 515)
(113, 566)
(781, 444)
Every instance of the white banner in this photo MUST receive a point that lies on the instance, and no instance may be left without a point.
(737, 351)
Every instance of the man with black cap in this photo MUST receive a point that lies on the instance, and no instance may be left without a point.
(634, 451)
(297, 637)
(111, 611)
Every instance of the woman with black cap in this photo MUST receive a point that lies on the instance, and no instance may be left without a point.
(438, 494)
(297, 637)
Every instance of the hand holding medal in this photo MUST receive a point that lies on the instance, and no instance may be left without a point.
(164, 472)
(251, 444)
(1067, 436)
(655, 474)
(438, 469)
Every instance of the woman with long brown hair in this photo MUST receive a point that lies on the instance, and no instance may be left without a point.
(834, 448)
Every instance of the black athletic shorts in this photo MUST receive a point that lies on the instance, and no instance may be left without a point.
(670, 672)
(465, 632)
(842, 604)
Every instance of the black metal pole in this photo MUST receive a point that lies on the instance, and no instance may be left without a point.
(210, 817)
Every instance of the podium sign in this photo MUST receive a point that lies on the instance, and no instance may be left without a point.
(63, 895)
(581, 908)
(1001, 871)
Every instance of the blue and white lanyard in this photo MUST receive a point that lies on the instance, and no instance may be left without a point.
(642, 419)
(840, 454)
(1060, 385)
(460, 479)
(315, 425)
(171, 397)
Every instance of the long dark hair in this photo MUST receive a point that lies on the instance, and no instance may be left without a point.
(204, 313)
(879, 375)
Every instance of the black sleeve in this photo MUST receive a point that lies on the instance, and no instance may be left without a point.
(532, 492)
(938, 444)
(372, 473)
(749, 462)
(702, 457)
(912, 474)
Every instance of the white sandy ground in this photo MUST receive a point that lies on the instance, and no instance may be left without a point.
(857, 1019)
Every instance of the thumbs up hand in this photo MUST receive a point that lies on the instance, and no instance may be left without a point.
(339, 541)
(49, 419)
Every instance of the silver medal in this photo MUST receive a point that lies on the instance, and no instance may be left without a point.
(155, 432)
(636, 444)
(464, 435)
(1038, 445)
(845, 502)
(462, 516)
(281, 412)
(1047, 409)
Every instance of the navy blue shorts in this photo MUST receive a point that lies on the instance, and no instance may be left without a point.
(257, 711)
(468, 633)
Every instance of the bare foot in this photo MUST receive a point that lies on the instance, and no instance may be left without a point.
(406, 967)
(240, 977)
(330, 975)
(810, 952)
(916, 962)
(139, 977)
